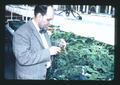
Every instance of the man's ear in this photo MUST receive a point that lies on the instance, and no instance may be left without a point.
(39, 15)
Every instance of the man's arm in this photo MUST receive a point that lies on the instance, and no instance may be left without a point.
(27, 55)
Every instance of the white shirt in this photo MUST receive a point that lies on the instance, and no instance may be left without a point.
(45, 44)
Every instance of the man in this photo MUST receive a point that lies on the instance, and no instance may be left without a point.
(32, 47)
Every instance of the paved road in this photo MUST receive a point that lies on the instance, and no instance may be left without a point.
(101, 27)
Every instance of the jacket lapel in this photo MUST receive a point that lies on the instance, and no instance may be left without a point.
(35, 32)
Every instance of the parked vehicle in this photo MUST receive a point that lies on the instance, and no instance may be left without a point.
(9, 69)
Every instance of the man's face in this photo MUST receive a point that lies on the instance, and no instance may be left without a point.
(45, 20)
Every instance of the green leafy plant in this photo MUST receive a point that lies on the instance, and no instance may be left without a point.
(86, 56)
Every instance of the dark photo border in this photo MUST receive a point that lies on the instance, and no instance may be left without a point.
(62, 82)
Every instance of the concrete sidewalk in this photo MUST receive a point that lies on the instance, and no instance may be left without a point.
(100, 27)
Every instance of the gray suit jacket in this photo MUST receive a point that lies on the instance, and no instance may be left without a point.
(31, 57)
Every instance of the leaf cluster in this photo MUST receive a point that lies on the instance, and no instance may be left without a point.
(86, 56)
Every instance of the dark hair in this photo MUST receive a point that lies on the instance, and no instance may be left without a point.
(40, 9)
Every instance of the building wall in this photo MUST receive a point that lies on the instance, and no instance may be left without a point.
(106, 9)
(88, 9)
(10, 16)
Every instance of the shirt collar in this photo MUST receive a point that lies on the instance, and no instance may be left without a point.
(36, 26)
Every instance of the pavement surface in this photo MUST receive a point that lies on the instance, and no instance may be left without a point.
(99, 26)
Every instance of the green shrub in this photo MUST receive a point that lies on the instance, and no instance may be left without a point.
(95, 58)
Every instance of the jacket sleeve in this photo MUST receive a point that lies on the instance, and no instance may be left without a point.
(24, 54)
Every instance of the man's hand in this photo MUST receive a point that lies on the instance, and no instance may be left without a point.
(54, 50)
(62, 43)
